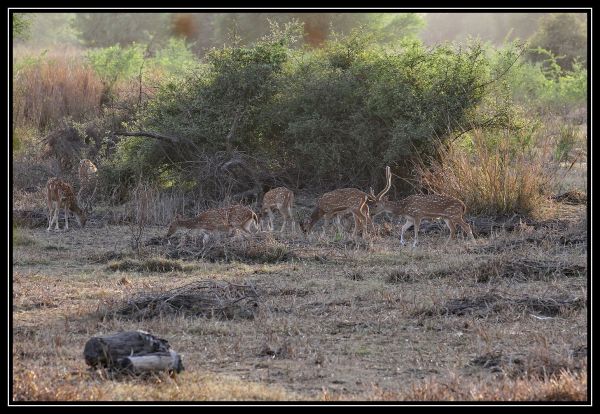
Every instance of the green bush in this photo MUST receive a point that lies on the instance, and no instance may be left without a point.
(563, 34)
(548, 88)
(331, 116)
(175, 58)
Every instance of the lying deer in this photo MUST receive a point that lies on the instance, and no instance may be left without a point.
(60, 194)
(280, 199)
(431, 206)
(346, 200)
(224, 219)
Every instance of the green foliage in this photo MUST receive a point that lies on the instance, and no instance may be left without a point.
(123, 29)
(565, 36)
(391, 27)
(317, 27)
(567, 140)
(335, 115)
(176, 57)
(547, 86)
(114, 63)
(21, 24)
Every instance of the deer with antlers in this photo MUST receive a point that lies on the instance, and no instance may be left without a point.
(346, 200)
(429, 206)
(280, 199)
(60, 194)
(233, 218)
(87, 184)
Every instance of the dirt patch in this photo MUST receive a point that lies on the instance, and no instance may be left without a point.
(547, 232)
(524, 269)
(535, 365)
(207, 298)
(493, 303)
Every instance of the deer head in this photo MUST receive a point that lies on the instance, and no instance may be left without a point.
(173, 225)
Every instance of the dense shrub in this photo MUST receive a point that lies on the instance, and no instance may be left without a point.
(332, 116)
(548, 87)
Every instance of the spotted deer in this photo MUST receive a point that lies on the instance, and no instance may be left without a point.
(280, 199)
(232, 218)
(87, 184)
(429, 206)
(346, 200)
(60, 194)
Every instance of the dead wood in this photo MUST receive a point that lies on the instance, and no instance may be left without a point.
(207, 298)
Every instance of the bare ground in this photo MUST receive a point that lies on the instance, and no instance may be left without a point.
(504, 317)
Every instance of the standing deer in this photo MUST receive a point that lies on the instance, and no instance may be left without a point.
(280, 199)
(61, 194)
(346, 200)
(430, 206)
(234, 218)
(87, 184)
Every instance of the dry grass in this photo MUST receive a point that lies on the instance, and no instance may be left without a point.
(493, 175)
(153, 264)
(364, 322)
(49, 89)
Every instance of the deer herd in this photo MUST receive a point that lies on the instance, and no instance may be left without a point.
(240, 218)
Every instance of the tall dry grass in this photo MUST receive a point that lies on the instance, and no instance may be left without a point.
(46, 90)
(491, 173)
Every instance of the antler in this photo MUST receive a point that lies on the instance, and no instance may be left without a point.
(388, 184)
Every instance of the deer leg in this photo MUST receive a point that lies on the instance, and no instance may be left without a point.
(50, 215)
(285, 218)
(409, 222)
(289, 212)
(66, 218)
(452, 228)
(270, 212)
(56, 214)
(466, 228)
(338, 224)
(417, 225)
(367, 216)
(357, 223)
(204, 238)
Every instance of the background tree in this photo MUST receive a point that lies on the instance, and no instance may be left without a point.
(564, 35)
(21, 25)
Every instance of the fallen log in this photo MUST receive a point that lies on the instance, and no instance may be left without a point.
(170, 361)
(132, 351)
